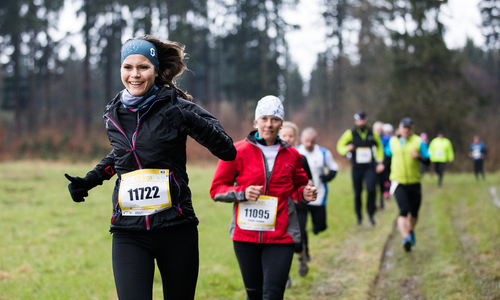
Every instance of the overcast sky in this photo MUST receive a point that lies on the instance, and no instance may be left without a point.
(461, 18)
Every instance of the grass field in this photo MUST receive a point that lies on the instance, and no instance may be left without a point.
(53, 248)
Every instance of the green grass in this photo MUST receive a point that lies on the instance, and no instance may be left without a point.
(53, 248)
(458, 248)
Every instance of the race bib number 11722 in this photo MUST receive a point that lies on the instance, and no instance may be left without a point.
(144, 192)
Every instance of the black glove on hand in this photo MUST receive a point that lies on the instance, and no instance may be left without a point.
(323, 178)
(78, 188)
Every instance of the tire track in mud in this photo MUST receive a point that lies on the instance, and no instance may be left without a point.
(493, 192)
(409, 287)
(484, 278)
(487, 281)
(372, 292)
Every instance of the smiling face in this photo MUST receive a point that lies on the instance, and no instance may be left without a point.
(138, 74)
(268, 127)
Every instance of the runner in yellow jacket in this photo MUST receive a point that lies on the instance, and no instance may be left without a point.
(441, 152)
(359, 143)
(407, 151)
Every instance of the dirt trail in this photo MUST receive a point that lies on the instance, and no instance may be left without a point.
(409, 287)
(407, 275)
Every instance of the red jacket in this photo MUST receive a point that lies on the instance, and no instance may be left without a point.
(286, 181)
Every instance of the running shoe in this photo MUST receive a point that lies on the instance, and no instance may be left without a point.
(413, 239)
(308, 257)
(407, 244)
(372, 220)
(303, 268)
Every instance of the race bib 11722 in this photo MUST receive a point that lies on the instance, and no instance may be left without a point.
(144, 192)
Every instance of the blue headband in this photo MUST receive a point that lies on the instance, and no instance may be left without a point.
(141, 47)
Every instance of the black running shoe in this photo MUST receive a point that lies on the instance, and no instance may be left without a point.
(407, 244)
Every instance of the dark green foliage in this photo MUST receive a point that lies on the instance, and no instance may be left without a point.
(427, 82)
(237, 53)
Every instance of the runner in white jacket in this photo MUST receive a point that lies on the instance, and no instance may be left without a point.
(323, 169)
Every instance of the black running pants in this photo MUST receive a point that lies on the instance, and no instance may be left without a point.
(478, 168)
(409, 198)
(439, 168)
(175, 250)
(264, 268)
(369, 176)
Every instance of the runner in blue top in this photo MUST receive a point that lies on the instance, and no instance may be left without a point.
(478, 152)
(388, 132)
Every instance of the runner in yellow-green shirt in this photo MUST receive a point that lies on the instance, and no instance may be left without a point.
(441, 152)
(407, 151)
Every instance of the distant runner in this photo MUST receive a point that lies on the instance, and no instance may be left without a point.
(383, 177)
(319, 159)
(477, 152)
(424, 168)
(359, 142)
(407, 151)
(441, 152)
(290, 133)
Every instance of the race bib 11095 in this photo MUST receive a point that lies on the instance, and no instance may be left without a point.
(258, 215)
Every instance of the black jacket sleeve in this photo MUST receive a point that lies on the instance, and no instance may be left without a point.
(305, 166)
(102, 171)
(206, 130)
(424, 160)
(328, 177)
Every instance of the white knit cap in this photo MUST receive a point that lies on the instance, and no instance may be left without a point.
(270, 106)
(387, 127)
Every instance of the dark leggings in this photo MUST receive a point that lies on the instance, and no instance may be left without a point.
(301, 209)
(384, 184)
(176, 252)
(264, 268)
(318, 218)
(439, 168)
(370, 177)
(478, 168)
(409, 198)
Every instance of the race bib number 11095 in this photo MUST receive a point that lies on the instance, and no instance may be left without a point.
(258, 215)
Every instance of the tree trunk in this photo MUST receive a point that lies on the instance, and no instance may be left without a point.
(87, 116)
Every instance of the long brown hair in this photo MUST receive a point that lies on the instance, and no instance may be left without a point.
(171, 56)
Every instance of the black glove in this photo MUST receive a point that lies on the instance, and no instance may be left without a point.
(327, 177)
(322, 178)
(79, 187)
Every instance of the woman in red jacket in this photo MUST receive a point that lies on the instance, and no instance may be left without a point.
(264, 227)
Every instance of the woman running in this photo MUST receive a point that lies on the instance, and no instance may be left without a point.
(264, 227)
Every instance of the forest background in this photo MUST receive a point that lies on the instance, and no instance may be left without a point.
(51, 105)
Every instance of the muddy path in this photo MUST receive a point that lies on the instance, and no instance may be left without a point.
(452, 258)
